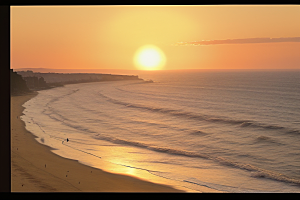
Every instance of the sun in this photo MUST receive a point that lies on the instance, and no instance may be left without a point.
(149, 57)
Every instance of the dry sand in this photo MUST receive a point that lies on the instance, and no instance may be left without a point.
(34, 168)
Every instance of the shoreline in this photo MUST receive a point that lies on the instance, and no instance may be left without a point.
(34, 168)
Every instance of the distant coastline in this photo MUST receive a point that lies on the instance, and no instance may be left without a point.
(84, 70)
(28, 81)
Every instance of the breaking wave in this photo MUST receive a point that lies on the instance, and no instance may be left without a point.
(212, 119)
(255, 170)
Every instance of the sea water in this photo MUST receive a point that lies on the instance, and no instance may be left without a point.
(199, 131)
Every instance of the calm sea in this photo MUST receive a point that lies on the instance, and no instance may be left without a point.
(200, 131)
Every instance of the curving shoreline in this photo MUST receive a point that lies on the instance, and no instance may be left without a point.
(34, 168)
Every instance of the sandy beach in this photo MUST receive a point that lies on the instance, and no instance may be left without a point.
(34, 168)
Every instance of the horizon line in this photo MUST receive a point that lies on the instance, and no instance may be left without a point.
(190, 69)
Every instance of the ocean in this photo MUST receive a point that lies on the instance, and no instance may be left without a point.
(199, 131)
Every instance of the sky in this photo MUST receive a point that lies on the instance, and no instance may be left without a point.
(188, 37)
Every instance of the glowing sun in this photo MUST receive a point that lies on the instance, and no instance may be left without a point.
(149, 57)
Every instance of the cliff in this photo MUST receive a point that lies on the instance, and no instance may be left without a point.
(17, 84)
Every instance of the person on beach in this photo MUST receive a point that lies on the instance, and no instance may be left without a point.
(67, 140)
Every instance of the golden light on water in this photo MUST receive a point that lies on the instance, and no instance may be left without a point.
(149, 57)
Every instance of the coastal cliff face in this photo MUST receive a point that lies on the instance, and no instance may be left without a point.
(17, 84)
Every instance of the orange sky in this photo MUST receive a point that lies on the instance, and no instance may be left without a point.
(107, 37)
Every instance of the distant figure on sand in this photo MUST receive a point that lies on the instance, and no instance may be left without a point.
(67, 140)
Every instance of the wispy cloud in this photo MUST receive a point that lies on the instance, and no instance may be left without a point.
(239, 41)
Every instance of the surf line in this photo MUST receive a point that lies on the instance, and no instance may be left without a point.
(81, 150)
(51, 136)
(152, 172)
(58, 138)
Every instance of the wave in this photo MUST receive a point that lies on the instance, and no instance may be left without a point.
(220, 187)
(69, 123)
(293, 131)
(66, 121)
(62, 96)
(263, 173)
(255, 171)
(212, 119)
(263, 139)
(50, 111)
(53, 114)
(61, 139)
(198, 133)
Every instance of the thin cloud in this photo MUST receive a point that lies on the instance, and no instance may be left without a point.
(239, 41)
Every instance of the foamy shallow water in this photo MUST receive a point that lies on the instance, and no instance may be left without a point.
(202, 132)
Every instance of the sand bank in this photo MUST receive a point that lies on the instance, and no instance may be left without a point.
(34, 168)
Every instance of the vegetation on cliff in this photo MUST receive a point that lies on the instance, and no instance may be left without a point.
(17, 84)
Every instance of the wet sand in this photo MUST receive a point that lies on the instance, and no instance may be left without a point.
(34, 168)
